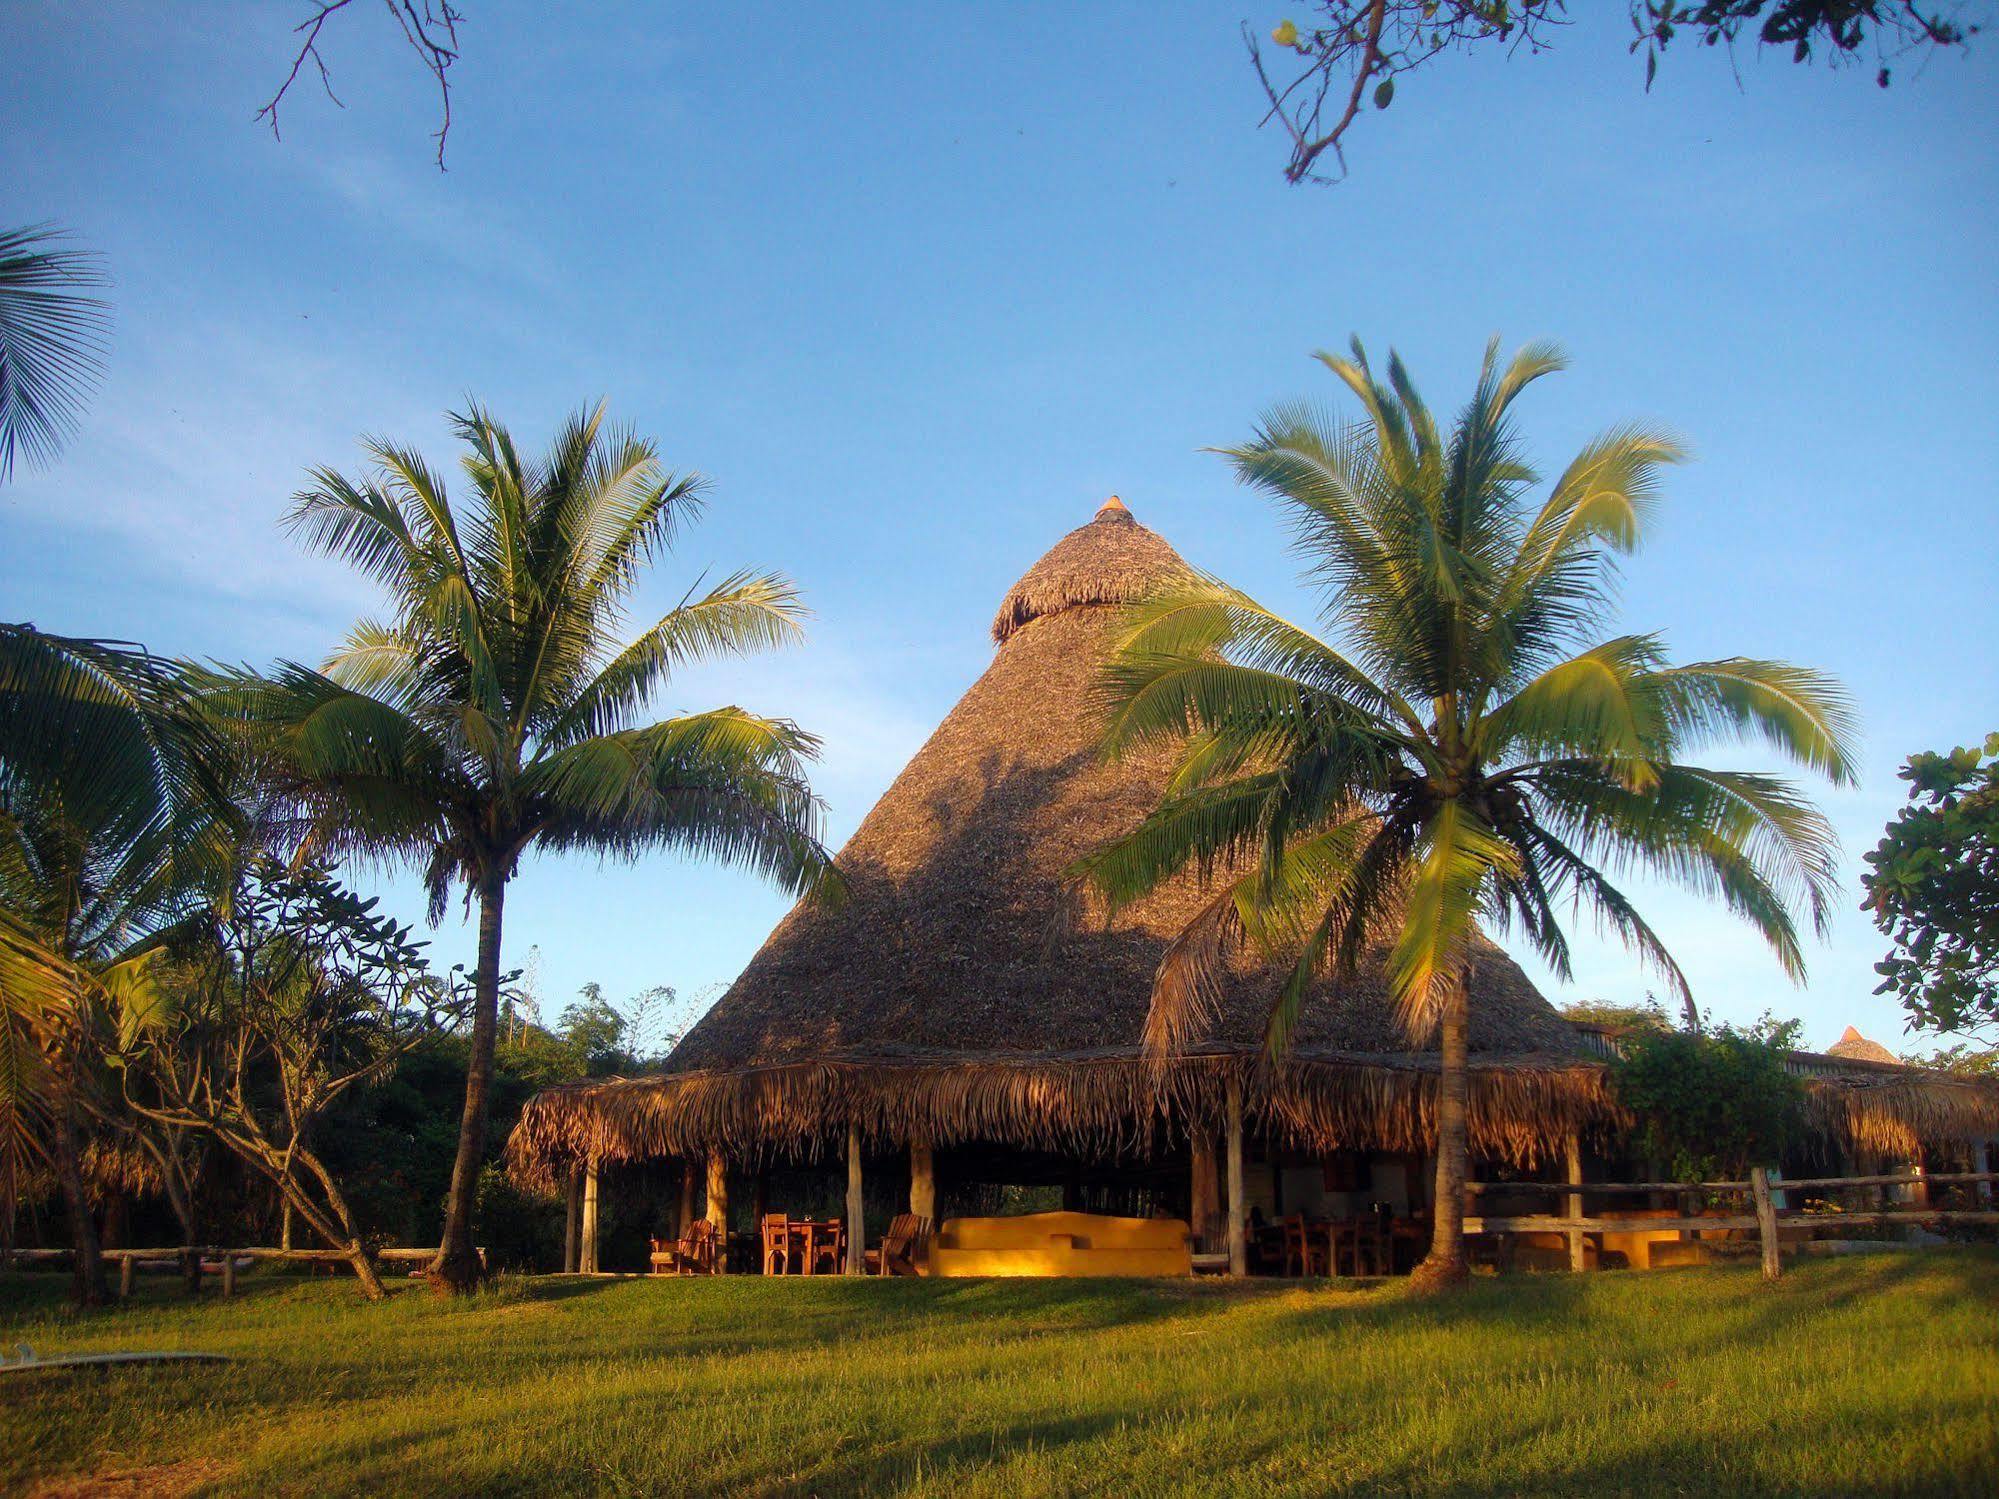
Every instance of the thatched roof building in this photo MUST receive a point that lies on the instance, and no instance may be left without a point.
(963, 991)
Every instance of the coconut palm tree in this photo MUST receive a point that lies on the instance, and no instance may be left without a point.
(1476, 748)
(51, 340)
(110, 809)
(497, 709)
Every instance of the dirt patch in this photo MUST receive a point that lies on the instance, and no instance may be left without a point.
(161, 1481)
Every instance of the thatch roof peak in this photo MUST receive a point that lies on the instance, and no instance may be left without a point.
(1854, 1047)
(1112, 560)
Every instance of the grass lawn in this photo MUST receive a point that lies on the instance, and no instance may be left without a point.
(1869, 1375)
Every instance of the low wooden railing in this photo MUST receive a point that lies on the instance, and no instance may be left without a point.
(128, 1260)
(1766, 1219)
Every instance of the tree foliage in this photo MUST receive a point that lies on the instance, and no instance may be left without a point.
(1351, 53)
(1933, 888)
(499, 707)
(52, 337)
(1710, 1106)
(290, 994)
(1476, 748)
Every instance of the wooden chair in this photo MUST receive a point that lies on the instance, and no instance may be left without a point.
(901, 1247)
(777, 1244)
(829, 1249)
(1373, 1245)
(1302, 1248)
(695, 1254)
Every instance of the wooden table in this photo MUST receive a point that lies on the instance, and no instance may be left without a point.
(809, 1235)
(1356, 1235)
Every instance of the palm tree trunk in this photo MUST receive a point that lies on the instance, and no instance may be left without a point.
(456, 1267)
(87, 1283)
(1445, 1267)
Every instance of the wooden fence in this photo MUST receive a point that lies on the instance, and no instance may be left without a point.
(1765, 1219)
(191, 1256)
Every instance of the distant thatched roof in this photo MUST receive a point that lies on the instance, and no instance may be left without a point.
(1854, 1047)
(962, 988)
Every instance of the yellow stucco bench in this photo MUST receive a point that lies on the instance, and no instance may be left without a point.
(1061, 1244)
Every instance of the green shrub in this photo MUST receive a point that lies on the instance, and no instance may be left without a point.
(1709, 1106)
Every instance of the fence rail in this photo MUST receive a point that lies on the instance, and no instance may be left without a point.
(180, 1254)
(1767, 1221)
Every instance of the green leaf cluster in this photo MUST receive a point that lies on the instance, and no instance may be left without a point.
(1709, 1107)
(1933, 887)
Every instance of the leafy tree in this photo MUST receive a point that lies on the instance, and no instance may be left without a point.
(1933, 887)
(1710, 1107)
(496, 711)
(1351, 52)
(1477, 749)
(293, 994)
(594, 1027)
(1964, 1059)
(52, 335)
(1648, 1016)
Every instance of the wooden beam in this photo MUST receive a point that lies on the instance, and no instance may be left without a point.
(1573, 1202)
(857, 1228)
(923, 1181)
(718, 1207)
(690, 1182)
(1981, 1162)
(1766, 1222)
(587, 1256)
(572, 1225)
(1238, 1213)
(1205, 1189)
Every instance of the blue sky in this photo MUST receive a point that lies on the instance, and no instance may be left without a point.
(919, 286)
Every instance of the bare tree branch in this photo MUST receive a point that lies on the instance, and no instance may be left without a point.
(429, 27)
(1352, 43)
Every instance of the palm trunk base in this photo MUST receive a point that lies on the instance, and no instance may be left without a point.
(1436, 1276)
(454, 1271)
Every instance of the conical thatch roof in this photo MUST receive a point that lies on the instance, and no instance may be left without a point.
(962, 987)
(962, 937)
(1854, 1047)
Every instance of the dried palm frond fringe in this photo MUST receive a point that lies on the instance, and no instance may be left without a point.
(1894, 1117)
(1522, 1110)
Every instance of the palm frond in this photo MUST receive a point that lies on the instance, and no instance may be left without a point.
(742, 615)
(53, 334)
(1802, 713)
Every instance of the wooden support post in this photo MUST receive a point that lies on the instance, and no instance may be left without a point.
(572, 1224)
(1766, 1222)
(1572, 1203)
(923, 1181)
(228, 1274)
(718, 1207)
(1981, 1161)
(1205, 1190)
(1919, 1192)
(1238, 1215)
(190, 1269)
(690, 1181)
(857, 1228)
(126, 1268)
(587, 1259)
